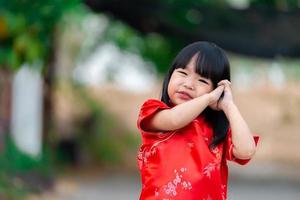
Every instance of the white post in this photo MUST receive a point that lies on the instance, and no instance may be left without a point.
(27, 99)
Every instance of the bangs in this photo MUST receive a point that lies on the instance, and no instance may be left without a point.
(203, 66)
(183, 59)
(213, 65)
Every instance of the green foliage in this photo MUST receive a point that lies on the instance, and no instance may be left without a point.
(11, 189)
(291, 4)
(157, 48)
(27, 29)
(277, 4)
(12, 160)
(152, 47)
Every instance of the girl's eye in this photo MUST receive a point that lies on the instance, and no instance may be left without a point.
(203, 81)
(182, 72)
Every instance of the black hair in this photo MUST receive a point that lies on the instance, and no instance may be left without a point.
(211, 63)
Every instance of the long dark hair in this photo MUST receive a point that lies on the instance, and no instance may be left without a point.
(211, 63)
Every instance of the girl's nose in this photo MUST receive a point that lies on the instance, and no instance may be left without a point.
(189, 84)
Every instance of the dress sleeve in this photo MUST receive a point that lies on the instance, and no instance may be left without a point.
(229, 149)
(148, 109)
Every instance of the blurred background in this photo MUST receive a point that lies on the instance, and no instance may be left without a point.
(73, 75)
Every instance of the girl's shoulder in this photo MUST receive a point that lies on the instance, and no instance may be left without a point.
(148, 109)
(152, 100)
(153, 103)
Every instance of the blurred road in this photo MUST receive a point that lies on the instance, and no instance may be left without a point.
(256, 183)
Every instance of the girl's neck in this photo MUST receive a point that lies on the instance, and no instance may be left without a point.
(171, 103)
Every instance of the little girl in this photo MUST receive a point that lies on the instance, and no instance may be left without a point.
(189, 134)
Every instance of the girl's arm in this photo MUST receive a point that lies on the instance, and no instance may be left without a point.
(182, 114)
(242, 139)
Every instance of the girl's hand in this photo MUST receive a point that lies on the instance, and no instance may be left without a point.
(215, 96)
(227, 98)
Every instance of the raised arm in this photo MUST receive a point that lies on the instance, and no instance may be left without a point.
(242, 139)
(182, 114)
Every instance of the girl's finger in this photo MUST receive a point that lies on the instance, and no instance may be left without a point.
(218, 91)
(227, 89)
(224, 82)
(221, 87)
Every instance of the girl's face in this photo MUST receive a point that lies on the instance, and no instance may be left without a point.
(186, 84)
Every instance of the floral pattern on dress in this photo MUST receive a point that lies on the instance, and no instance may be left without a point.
(224, 188)
(215, 165)
(173, 187)
(218, 154)
(208, 169)
(146, 152)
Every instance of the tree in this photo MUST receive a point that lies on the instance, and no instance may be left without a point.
(27, 36)
(263, 29)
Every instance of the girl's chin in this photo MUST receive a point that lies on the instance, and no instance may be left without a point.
(179, 101)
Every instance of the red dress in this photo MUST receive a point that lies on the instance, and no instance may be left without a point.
(178, 165)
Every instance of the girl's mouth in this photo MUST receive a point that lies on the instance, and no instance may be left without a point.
(184, 95)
